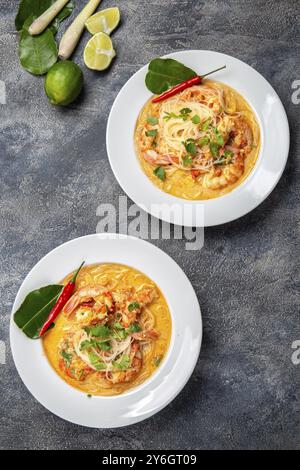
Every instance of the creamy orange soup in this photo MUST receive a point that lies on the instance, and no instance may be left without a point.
(113, 333)
(199, 144)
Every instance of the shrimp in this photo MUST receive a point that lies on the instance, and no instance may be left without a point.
(95, 297)
(228, 175)
(124, 303)
(154, 158)
(128, 375)
(72, 365)
(241, 135)
(146, 334)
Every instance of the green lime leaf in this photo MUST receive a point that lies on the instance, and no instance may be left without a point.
(166, 73)
(37, 53)
(35, 309)
(65, 12)
(34, 9)
(29, 8)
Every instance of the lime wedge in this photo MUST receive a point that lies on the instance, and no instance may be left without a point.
(99, 52)
(104, 21)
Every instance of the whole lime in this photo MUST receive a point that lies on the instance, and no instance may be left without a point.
(63, 83)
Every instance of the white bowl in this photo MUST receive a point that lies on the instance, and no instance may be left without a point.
(263, 178)
(163, 386)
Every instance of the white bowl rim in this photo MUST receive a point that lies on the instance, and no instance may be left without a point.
(243, 199)
(149, 386)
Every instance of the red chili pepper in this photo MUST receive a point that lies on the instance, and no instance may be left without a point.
(61, 302)
(182, 86)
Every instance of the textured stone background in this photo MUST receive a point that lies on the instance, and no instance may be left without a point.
(245, 390)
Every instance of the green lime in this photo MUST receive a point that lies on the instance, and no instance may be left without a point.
(63, 83)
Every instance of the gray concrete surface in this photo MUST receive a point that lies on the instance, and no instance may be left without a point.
(245, 391)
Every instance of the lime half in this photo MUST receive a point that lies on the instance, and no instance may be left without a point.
(99, 52)
(104, 21)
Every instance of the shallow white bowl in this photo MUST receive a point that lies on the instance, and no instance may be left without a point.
(163, 386)
(263, 178)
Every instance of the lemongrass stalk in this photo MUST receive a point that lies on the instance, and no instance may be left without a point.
(72, 35)
(41, 23)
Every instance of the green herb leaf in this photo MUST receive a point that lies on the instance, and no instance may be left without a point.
(226, 158)
(196, 119)
(119, 335)
(203, 141)
(160, 173)
(190, 148)
(35, 309)
(29, 8)
(157, 360)
(105, 345)
(98, 331)
(67, 358)
(205, 125)
(65, 12)
(118, 326)
(96, 361)
(133, 306)
(185, 111)
(214, 149)
(220, 140)
(123, 363)
(187, 160)
(152, 120)
(166, 73)
(134, 328)
(37, 53)
(151, 133)
(35, 8)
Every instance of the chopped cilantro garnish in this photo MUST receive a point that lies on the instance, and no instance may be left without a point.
(203, 141)
(214, 149)
(219, 137)
(98, 331)
(123, 363)
(152, 120)
(160, 173)
(187, 160)
(151, 133)
(134, 328)
(96, 361)
(67, 358)
(133, 306)
(205, 124)
(196, 119)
